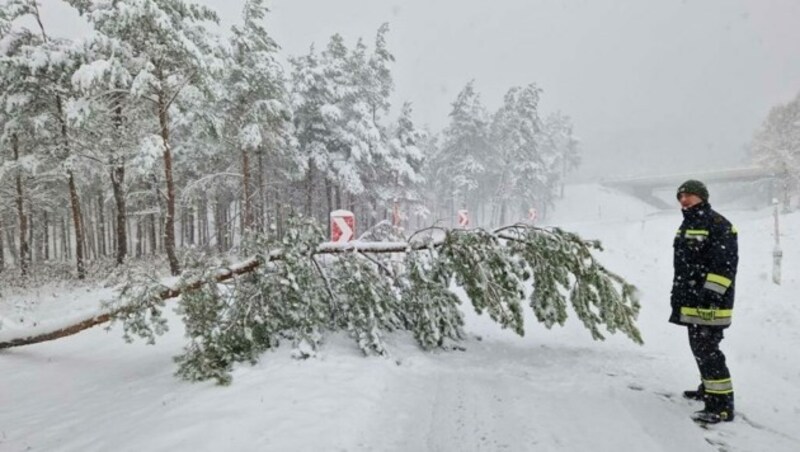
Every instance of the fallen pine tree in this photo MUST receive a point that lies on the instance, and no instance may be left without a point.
(295, 289)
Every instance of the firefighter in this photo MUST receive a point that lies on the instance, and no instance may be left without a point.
(705, 261)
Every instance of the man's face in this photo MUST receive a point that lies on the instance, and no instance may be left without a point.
(688, 200)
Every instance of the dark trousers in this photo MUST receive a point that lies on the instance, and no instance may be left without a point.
(704, 341)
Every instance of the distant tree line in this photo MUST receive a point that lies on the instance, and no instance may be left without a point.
(152, 135)
(776, 146)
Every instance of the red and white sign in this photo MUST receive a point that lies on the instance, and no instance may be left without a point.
(532, 214)
(343, 226)
(463, 218)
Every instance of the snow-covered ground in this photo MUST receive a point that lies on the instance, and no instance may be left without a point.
(553, 390)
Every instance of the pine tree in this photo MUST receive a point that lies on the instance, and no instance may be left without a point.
(559, 141)
(175, 58)
(111, 122)
(257, 111)
(310, 94)
(340, 97)
(461, 161)
(520, 172)
(348, 117)
(400, 171)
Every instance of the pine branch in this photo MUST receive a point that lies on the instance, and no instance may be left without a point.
(548, 257)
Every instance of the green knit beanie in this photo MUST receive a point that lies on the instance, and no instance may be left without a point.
(694, 187)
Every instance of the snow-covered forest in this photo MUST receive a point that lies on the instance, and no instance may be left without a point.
(152, 135)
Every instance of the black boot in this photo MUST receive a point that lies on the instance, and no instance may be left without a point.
(719, 408)
(695, 394)
(712, 417)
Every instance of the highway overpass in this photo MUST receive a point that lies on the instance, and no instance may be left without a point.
(646, 187)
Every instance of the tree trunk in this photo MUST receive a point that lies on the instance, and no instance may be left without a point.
(329, 199)
(90, 232)
(130, 224)
(190, 225)
(24, 254)
(310, 188)
(34, 242)
(278, 214)
(262, 195)
(101, 222)
(169, 220)
(46, 220)
(65, 242)
(222, 228)
(118, 186)
(75, 201)
(76, 219)
(247, 208)
(12, 250)
(202, 220)
(153, 235)
(183, 234)
(2, 248)
(139, 237)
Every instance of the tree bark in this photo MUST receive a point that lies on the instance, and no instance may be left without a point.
(139, 236)
(46, 228)
(66, 246)
(310, 188)
(153, 234)
(221, 226)
(80, 240)
(262, 196)
(118, 187)
(90, 232)
(2, 247)
(12, 250)
(329, 199)
(24, 253)
(117, 184)
(76, 219)
(34, 240)
(247, 207)
(169, 219)
(202, 219)
(101, 223)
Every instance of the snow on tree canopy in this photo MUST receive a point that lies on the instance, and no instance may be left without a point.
(151, 150)
(89, 74)
(250, 136)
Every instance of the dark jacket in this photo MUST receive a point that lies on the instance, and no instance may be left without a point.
(706, 257)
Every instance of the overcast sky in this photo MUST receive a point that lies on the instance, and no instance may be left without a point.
(651, 85)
